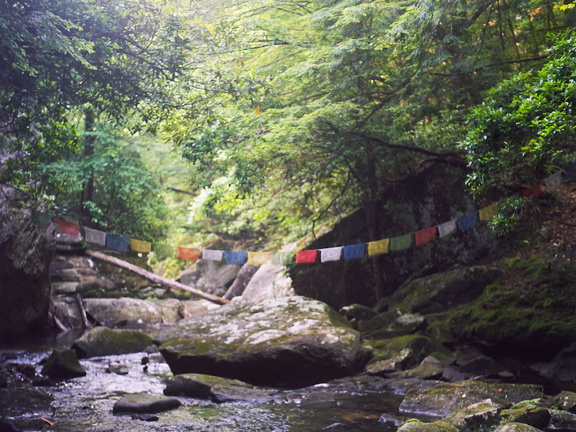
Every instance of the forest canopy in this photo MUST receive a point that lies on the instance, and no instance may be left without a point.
(258, 120)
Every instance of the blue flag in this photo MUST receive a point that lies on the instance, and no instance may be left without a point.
(236, 257)
(117, 242)
(467, 221)
(354, 251)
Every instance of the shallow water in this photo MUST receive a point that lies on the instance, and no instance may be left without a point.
(85, 404)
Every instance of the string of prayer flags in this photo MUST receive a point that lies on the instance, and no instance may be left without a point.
(553, 182)
(306, 256)
(257, 259)
(117, 242)
(401, 242)
(236, 257)
(425, 236)
(41, 219)
(140, 246)
(282, 258)
(212, 255)
(378, 247)
(487, 213)
(95, 237)
(330, 254)
(468, 221)
(446, 228)
(190, 254)
(163, 251)
(354, 251)
(70, 228)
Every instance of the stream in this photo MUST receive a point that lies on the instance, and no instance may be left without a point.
(362, 403)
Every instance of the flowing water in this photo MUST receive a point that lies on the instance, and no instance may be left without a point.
(85, 404)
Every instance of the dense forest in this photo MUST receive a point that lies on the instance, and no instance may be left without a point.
(259, 121)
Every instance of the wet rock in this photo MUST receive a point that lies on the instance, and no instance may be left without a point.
(418, 426)
(430, 368)
(390, 421)
(562, 421)
(444, 399)
(479, 416)
(102, 341)
(63, 364)
(561, 368)
(290, 342)
(145, 404)
(517, 427)
(216, 389)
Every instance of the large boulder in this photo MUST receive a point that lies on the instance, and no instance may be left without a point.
(270, 281)
(102, 341)
(287, 342)
(25, 253)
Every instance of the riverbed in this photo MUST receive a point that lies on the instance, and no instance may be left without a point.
(361, 403)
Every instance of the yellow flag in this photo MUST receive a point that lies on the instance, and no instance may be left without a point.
(487, 212)
(378, 247)
(259, 258)
(257, 110)
(140, 246)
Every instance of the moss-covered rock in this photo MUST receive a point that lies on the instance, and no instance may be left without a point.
(565, 400)
(398, 353)
(287, 342)
(528, 412)
(418, 426)
(517, 427)
(476, 417)
(63, 364)
(102, 341)
(145, 403)
(442, 400)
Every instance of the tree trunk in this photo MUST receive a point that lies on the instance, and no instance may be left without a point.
(88, 191)
(153, 277)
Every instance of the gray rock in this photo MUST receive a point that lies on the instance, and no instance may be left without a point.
(269, 282)
(241, 282)
(418, 426)
(210, 276)
(517, 427)
(482, 415)
(358, 312)
(529, 413)
(102, 341)
(562, 421)
(565, 400)
(63, 364)
(145, 404)
(399, 353)
(289, 342)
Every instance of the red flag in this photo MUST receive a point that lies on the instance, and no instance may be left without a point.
(532, 192)
(65, 227)
(190, 254)
(306, 256)
(425, 236)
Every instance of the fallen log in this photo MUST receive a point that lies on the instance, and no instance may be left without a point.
(153, 277)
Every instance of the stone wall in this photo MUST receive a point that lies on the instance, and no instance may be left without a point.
(432, 197)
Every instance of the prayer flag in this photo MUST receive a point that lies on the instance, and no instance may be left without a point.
(354, 251)
(467, 221)
(570, 172)
(94, 236)
(117, 242)
(330, 254)
(282, 258)
(306, 256)
(65, 227)
(402, 242)
(190, 254)
(532, 192)
(259, 258)
(446, 228)
(235, 257)
(379, 247)
(140, 246)
(553, 181)
(488, 212)
(41, 219)
(212, 255)
(425, 236)
(163, 251)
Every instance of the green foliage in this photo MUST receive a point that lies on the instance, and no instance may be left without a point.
(526, 129)
(125, 198)
(509, 215)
